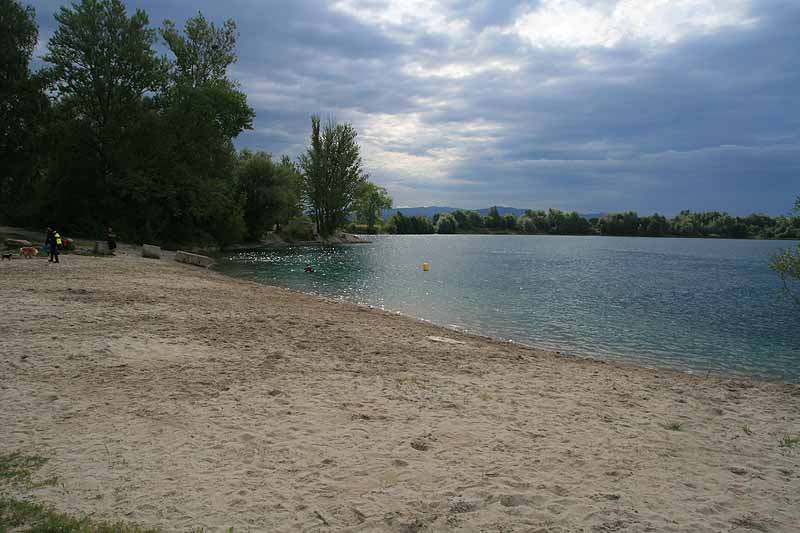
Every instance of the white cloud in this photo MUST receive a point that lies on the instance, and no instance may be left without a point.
(405, 19)
(460, 70)
(389, 145)
(577, 24)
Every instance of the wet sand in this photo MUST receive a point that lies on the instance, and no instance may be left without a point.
(178, 398)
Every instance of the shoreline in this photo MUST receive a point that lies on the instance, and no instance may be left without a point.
(179, 398)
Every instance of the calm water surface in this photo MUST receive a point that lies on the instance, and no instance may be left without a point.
(696, 305)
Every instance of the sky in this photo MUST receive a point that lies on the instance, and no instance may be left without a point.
(586, 105)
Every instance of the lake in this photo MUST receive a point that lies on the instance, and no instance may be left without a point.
(697, 305)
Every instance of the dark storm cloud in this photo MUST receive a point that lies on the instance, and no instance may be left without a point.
(455, 105)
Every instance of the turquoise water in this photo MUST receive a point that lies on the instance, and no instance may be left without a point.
(691, 304)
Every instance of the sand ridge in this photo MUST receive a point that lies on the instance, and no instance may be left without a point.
(178, 398)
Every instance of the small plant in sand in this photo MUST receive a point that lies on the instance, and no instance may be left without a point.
(15, 515)
(674, 426)
(17, 468)
(485, 396)
(789, 441)
(746, 429)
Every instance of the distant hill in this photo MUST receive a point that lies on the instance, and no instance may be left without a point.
(430, 211)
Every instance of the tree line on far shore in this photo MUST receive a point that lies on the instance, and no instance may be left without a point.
(557, 222)
(109, 133)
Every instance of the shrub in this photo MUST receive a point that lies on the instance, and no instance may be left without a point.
(300, 229)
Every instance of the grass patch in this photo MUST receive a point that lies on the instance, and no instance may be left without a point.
(674, 426)
(18, 468)
(789, 441)
(16, 515)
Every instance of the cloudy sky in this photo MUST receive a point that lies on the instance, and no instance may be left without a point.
(588, 105)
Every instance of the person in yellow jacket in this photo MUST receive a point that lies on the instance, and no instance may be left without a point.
(54, 243)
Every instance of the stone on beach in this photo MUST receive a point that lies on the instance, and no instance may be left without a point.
(151, 251)
(193, 259)
(17, 243)
(101, 248)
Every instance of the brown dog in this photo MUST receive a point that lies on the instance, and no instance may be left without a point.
(28, 251)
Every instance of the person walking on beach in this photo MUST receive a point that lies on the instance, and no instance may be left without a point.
(53, 242)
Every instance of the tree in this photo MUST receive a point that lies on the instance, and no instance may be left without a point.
(272, 191)
(447, 224)
(493, 219)
(204, 53)
(621, 224)
(332, 174)
(370, 202)
(103, 65)
(23, 106)
(787, 265)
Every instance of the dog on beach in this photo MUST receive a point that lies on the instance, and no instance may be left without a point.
(6, 256)
(28, 251)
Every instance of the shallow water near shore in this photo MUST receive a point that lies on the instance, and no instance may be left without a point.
(689, 304)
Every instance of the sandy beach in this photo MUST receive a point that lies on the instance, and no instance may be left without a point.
(177, 398)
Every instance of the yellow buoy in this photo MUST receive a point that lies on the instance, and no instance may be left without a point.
(425, 267)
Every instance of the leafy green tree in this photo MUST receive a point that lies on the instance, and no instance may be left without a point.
(370, 202)
(620, 224)
(203, 52)
(493, 220)
(654, 226)
(103, 66)
(272, 191)
(510, 222)
(23, 107)
(526, 224)
(787, 265)
(474, 220)
(403, 225)
(461, 218)
(447, 224)
(332, 173)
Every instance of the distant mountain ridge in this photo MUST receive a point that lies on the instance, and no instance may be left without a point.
(430, 211)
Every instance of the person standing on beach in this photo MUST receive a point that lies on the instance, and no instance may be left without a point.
(53, 242)
(111, 238)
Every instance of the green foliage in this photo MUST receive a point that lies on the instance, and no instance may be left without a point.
(619, 224)
(493, 219)
(789, 441)
(787, 266)
(103, 63)
(370, 202)
(16, 515)
(18, 468)
(447, 224)
(139, 142)
(403, 225)
(204, 53)
(332, 172)
(272, 191)
(299, 229)
(23, 108)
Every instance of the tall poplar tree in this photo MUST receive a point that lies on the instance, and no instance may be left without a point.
(332, 174)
